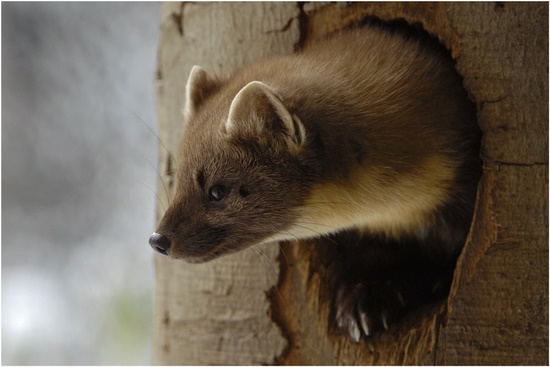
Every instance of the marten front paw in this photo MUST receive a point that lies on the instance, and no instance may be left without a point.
(367, 308)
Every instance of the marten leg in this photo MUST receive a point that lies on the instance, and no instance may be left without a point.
(381, 280)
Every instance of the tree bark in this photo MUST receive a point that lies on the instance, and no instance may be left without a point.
(272, 306)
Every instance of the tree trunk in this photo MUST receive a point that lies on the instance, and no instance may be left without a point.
(272, 305)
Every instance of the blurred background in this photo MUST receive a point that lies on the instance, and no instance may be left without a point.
(78, 182)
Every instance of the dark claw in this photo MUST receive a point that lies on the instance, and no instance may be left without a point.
(368, 308)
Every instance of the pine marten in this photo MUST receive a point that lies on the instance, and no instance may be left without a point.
(368, 131)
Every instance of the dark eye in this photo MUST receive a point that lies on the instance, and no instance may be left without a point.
(217, 193)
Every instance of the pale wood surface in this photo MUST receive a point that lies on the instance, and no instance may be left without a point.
(215, 313)
(218, 313)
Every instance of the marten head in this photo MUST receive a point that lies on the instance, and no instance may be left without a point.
(241, 170)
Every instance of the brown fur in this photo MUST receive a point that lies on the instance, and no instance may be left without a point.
(367, 130)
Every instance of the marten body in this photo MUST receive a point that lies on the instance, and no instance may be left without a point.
(369, 131)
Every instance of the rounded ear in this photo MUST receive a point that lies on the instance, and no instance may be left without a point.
(258, 110)
(199, 87)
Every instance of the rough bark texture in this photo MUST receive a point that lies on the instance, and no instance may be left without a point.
(274, 306)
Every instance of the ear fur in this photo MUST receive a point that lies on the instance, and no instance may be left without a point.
(257, 110)
(199, 86)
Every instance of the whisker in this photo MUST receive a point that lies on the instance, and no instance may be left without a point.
(284, 255)
(330, 202)
(161, 179)
(331, 240)
(309, 229)
(263, 255)
(154, 192)
(310, 248)
(318, 224)
(151, 130)
(292, 234)
(311, 251)
(320, 234)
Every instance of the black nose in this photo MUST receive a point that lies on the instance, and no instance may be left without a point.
(160, 243)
